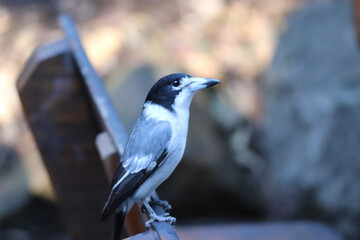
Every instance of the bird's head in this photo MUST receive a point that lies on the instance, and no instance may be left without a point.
(176, 90)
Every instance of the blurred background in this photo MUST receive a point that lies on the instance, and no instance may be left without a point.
(278, 140)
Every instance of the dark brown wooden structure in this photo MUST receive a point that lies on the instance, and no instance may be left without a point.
(62, 121)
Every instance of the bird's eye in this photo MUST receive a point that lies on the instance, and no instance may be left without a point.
(175, 83)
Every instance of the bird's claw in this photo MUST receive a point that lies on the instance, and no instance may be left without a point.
(162, 218)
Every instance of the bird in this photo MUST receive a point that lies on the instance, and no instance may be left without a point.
(154, 147)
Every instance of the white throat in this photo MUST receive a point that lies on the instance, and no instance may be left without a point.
(183, 100)
(159, 113)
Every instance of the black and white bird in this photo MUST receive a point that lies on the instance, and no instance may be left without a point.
(155, 146)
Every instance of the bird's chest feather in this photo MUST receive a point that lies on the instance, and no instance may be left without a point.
(179, 120)
(179, 134)
(176, 146)
(175, 151)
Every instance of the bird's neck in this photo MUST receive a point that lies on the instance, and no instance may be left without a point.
(159, 113)
(178, 119)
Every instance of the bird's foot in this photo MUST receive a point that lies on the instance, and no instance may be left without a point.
(160, 218)
(163, 203)
(157, 218)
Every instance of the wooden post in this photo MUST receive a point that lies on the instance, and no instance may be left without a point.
(64, 126)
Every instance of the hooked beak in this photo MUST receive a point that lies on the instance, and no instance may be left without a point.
(201, 83)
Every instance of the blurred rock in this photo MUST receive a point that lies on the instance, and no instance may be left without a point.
(238, 131)
(224, 114)
(311, 122)
(128, 94)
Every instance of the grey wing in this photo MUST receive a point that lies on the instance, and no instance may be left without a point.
(146, 143)
(144, 151)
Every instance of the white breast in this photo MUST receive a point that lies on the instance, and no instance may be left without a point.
(179, 127)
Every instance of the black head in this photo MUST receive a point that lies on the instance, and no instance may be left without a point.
(176, 90)
(166, 89)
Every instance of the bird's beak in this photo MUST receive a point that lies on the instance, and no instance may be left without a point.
(201, 83)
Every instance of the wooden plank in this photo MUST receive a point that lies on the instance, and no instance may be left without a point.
(64, 126)
(107, 114)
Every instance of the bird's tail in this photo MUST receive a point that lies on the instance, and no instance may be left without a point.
(106, 212)
(118, 225)
(118, 221)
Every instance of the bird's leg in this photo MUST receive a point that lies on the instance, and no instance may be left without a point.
(163, 203)
(149, 208)
(159, 218)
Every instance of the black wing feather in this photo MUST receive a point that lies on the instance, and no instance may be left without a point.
(128, 186)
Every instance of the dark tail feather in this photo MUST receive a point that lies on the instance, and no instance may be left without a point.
(118, 225)
(105, 213)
